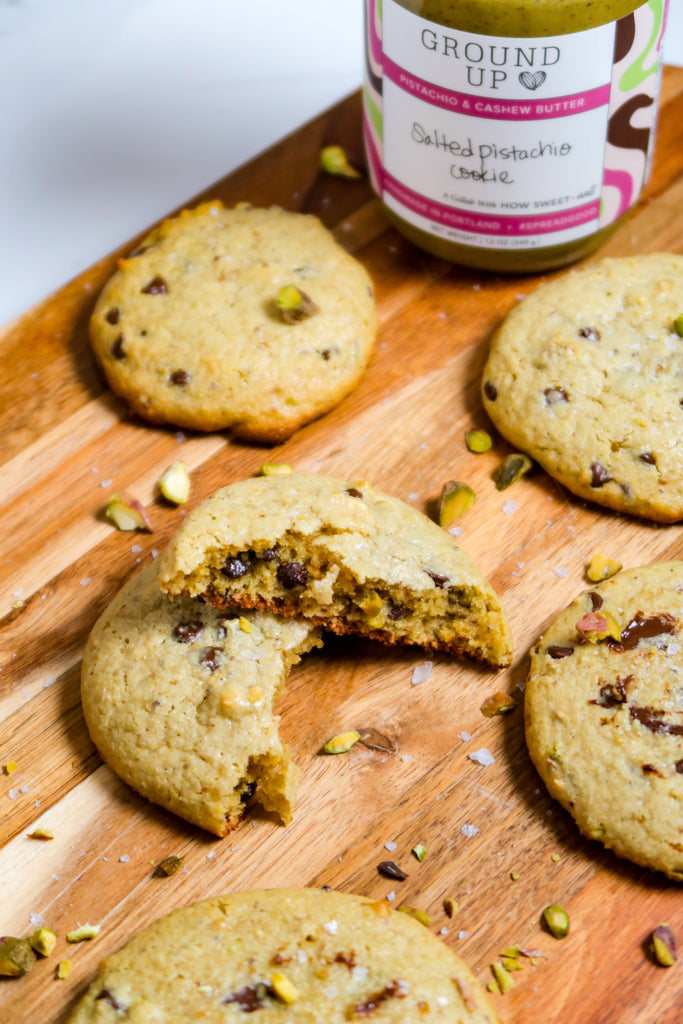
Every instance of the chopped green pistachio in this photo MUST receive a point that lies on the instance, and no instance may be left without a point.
(493, 986)
(478, 441)
(602, 568)
(43, 941)
(512, 952)
(514, 875)
(64, 968)
(245, 624)
(40, 833)
(556, 920)
(555, 857)
(512, 964)
(169, 865)
(284, 988)
(175, 484)
(498, 704)
(420, 852)
(505, 980)
(16, 957)
(10, 767)
(664, 946)
(372, 604)
(342, 742)
(275, 469)
(512, 468)
(294, 304)
(678, 325)
(333, 160)
(419, 915)
(85, 931)
(456, 498)
(127, 513)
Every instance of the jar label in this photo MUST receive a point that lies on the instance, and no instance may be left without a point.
(510, 143)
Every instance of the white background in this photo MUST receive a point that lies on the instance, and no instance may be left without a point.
(112, 112)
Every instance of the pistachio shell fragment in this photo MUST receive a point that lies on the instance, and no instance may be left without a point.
(84, 932)
(43, 941)
(478, 441)
(663, 944)
(275, 469)
(342, 742)
(284, 989)
(295, 305)
(127, 513)
(169, 865)
(556, 920)
(601, 567)
(175, 484)
(16, 957)
(512, 468)
(498, 704)
(456, 498)
(597, 626)
(678, 325)
(64, 968)
(333, 160)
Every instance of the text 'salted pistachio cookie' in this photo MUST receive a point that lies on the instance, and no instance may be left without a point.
(604, 714)
(252, 320)
(300, 956)
(342, 555)
(178, 698)
(586, 375)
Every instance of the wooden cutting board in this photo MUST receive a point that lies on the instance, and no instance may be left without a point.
(67, 444)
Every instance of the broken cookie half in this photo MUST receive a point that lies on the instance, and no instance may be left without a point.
(342, 555)
(178, 698)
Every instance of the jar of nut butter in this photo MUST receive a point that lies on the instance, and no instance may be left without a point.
(511, 135)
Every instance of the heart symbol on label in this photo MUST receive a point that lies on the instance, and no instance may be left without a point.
(530, 80)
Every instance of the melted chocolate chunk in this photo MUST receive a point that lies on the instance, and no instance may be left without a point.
(596, 600)
(157, 286)
(188, 632)
(390, 869)
(649, 769)
(292, 574)
(325, 354)
(555, 651)
(599, 475)
(235, 567)
(111, 999)
(491, 391)
(249, 998)
(648, 458)
(613, 694)
(117, 349)
(589, 332)
(679, 767)
(394, 990)
(268, 555)
(396, 611)
(654, 720)
(349, 959)
(112, 316)
(211, 658)
(247, 792)
(181, 378)
(642, 628)
(439, 581)
(555, 395)
(374, 740)
(354, 492)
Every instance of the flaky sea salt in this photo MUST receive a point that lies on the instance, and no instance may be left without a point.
(443, 931)
(465, 736)
(106, 483)
(390, 896)
(36, 920)
(135, 549)
(86, 581)
(469, 830)
(180, 437)
(331, 927)
(560, 571)
(482, 756)
(391, 846)
(455, 531)
(421, 673)
(510, 506)
(463, 935)
(124, 858)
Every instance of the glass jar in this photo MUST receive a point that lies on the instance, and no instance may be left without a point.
(511, 135)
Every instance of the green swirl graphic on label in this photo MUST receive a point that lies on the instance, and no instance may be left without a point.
(636, 74)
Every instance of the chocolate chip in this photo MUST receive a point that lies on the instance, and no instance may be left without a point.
(653, 720)
(249, 998)
(394, 990)
(292, 574)
(555, 651)
(589, 332)
(157, 286)
(268, 555)
(391, 870)
(613, 694)
(188, 632)
(325, 354)
(555, 395)
(211, 658)
(117, 349)
(354, 492)
(247, 792)
(679, 767)
(111, 999)
(439, 581)
(491, 391)
(599, 475)
(235, 567)
(112, 316)
(348, 959)
(641, 627)
(649, 769)
(396, 611)
(180, 377)
(648, 458)
(595, 600)
(374, 740)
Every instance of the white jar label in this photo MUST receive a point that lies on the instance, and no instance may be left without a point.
(507, 143)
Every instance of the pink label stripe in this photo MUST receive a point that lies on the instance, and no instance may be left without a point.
(526, 109)
(486, 223)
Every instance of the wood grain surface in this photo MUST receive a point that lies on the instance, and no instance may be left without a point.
(67, 444)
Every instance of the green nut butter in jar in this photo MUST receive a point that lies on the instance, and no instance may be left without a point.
(511, 135)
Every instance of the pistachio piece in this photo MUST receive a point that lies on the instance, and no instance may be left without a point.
(678, 325)
(342, 742)
(175, 484)
(284, 989)
(40, 833)
(663, 943)
(597, 626)
(505, 980)
(64, 968)
(478, 441)
(294, 304)
(10, 767)
(512, 468)
(333, 160)
(511, 964)
(275, 469)
(43, 941)
(419, 852)
(456, 498)
(512, 953)
(16, 957)
(419, 915)
(169, 865)
(83, 932)
(498, 703)
(127, 513)
(450, 906)
(371, 605)
(601, 567)
(556, 920)
(245, 625)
